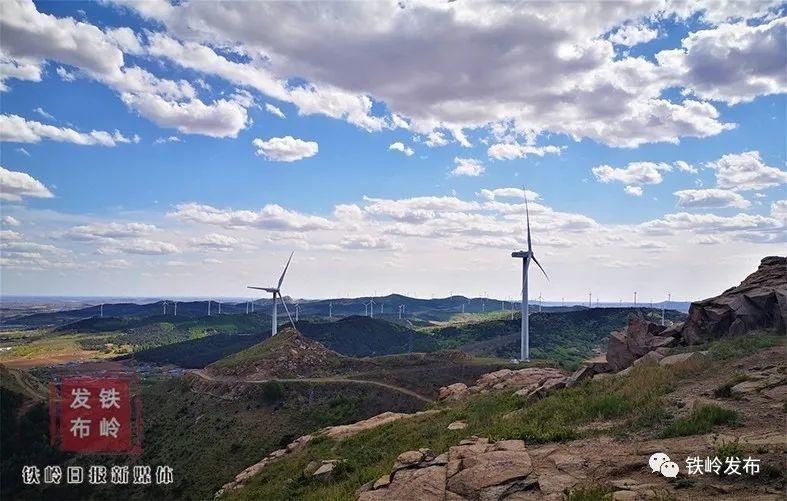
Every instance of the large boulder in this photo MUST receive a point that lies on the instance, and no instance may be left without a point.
(476, 469)
(759, 303)
(637, 339)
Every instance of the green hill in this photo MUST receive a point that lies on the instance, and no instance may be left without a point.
(564, 337)
(366, 337)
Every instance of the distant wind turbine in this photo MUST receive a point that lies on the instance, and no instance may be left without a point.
(297, 311)
(208, 307)
(175, 306)
(371, 304)
(635, 299)
(101, 310)
(330, 310)
(401, 310)
(526, 257)
(664, 307)
(590, 299)
(539, 302)
(276, 291)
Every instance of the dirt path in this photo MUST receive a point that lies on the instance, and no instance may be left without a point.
(225, 379)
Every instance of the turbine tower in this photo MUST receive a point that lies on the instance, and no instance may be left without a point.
(371, 304)
(297, 311)
(101, 310)
(330, 310)
(526, 257)
(664, 306)
(276, 291)
(175, 305)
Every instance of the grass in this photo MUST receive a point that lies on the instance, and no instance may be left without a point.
(702, 420)
(730, 449)
(557, 417)
(738, 347)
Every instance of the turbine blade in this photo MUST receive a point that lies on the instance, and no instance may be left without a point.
(527, 215)
(281, 279)
(266, 289)
(539, 265)
(287, 310)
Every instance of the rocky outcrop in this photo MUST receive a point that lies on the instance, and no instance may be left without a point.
(758, 303)
(523, 380)
(637, 339)
(474, 469)
(348, 430)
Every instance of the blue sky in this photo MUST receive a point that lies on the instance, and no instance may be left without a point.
(142, 155)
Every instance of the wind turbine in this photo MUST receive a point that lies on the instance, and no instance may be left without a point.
(371, 304)
(208, 307)
(297, 311)
(401, 310)
(663, 307)
(175, 305)
(526, 257)
(635, 299)
(276, 291)
(590, 299)
(539, 302)
(330, 310)
(101, 310)
(164, 304)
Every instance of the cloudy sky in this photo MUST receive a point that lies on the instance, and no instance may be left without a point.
(150, 148)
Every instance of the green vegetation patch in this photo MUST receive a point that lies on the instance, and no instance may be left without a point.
(702, 420)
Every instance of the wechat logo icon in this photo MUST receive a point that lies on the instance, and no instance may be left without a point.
(661, 463)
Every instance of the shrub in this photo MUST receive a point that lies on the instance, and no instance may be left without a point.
(272, 391)
(702, 420)
(730, 449)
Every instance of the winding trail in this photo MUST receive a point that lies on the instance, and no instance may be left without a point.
(225, 379)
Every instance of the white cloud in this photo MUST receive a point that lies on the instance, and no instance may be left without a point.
(708, 223)
(467, 167)
(65, 75)
(634, 174)
(399, 146)
(711, 199)
(16, 185)
(368, 242)
(126, 40)
(416, 209)
(274, 110)
(510, 151)
(19, 68)
(10, 221)
(217, 241)
(746, 171)
(285, 149)
(779, 209)
(634, 191)
(221, 118)
(632, 34)
(170, 139)
(43, 113)
(111, 231)
(435, 139)
(270, 217)
(732, 62)
(508, 193)
(685, 167)
(142, 246)
(16, 129)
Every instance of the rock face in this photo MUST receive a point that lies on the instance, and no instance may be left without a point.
(758, 303)
(475, 469)
(637, 339)
(525, 380)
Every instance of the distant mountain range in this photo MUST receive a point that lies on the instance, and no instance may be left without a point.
(437, 309)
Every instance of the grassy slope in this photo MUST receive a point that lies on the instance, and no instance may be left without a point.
(636, 404)
(207, 432)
